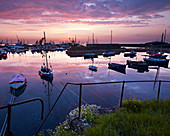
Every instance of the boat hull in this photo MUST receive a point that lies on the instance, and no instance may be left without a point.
(17, 85)
(48, 74)
(93, 68)
(157, 62)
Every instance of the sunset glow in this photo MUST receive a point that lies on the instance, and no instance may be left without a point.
(130, 20)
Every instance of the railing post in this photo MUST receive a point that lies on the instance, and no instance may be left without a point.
(159, 90)
(8, 132)
(121, 99)
(80, 100)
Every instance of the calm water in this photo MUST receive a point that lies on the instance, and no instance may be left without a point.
(25, 118)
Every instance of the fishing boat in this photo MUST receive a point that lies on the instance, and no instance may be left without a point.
(131, 54)
(108, 53)
(157, 62)
(45, 71)
(17, 81)
(141, 66)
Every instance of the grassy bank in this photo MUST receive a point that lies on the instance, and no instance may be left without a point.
(135, 118)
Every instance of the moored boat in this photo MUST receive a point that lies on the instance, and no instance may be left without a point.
(131, 54)
(90, 55)
(45, 71)
(116, 65)
(158, 56)
(108, 53)
(93, 68)
(141, 66)
(17, 81)
(157, 62)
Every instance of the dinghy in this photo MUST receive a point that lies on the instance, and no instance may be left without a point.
(17, 81)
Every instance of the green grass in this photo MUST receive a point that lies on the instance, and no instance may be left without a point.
(135, 118)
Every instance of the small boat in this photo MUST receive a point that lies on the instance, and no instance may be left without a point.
(141, 66)
(137, 64)
(157, 62)
(92, 67)
(17, 81)
(131, 54)
(90, 55)
(108, 53)
(117, 67)
(158, 56)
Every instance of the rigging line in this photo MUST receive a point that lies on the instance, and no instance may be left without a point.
(66, 98)
(72, 92)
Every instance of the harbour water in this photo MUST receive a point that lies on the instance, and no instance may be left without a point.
(25, 119)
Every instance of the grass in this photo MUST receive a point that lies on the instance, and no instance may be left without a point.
(135, 118)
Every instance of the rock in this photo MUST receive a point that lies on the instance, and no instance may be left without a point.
(104, 110)
(76, 124)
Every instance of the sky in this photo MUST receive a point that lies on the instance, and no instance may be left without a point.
(131, 21)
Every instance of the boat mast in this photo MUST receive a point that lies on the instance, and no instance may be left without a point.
(93, 38)
(46, 51)
(165, 36)
(111, 36)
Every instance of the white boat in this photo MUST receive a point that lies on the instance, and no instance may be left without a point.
(17, 81)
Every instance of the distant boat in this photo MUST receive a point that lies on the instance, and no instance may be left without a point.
(131, 54)
(3, 54)
(45, 71)
(157, 62)
(117, 67)
(158, 56)
(17, 81)
(92, 67)
(90, 55)
(108, 53)
(141, 66)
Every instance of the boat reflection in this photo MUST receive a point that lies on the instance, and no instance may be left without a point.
(141, 66)
(19, 91)
(46, 81)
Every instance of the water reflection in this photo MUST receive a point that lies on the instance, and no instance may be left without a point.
(19, 91)
(68, 69)
(47, 81)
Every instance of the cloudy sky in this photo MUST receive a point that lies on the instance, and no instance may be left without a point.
(130, 20)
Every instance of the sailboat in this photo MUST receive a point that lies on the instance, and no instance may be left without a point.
(45, 71)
